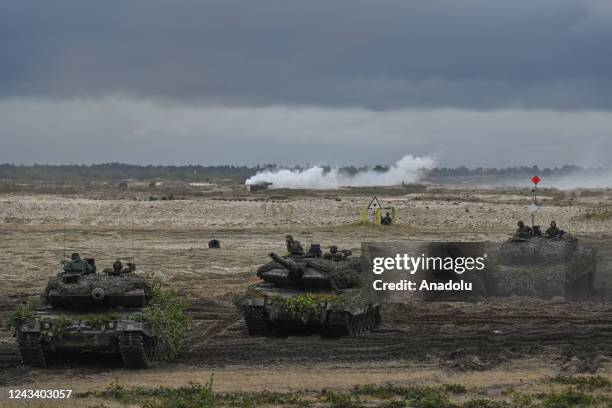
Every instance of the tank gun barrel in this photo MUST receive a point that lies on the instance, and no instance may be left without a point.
(295, 272)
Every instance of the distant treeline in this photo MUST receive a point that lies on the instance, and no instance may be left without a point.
(119, 171)
(463, 171)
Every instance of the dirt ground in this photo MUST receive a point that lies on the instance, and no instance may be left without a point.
(488, 346)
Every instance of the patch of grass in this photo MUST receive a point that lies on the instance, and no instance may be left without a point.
(370, 395)
(383, 391)
(524, 401)
(392, 404)
(583, 383)
(485, 403)
(454, 388)
(568, 398)
(200, 396)
(115, 391)
(415, 396)
(193, 396)
(264, 398)
(340, 400)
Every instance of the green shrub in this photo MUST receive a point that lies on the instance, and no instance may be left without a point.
(169, 318)
(340, 400)
(22, 313)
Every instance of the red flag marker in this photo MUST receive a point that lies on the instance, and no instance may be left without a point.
(536, 180)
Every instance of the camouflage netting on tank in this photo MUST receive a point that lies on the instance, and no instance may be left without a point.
(569, 277)
(112, 285)
(536, 251)
(531, 281)
(345, 274)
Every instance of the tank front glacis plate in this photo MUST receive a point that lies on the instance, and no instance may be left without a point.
(84, 341)
(276, 307)
(80, 335)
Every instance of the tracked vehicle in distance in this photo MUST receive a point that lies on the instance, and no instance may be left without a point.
(329, 292)
(543, 267)
(85, 311)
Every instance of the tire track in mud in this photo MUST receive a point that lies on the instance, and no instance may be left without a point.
(491, 337)
(9, 356)
(432, 333)
(381, 347)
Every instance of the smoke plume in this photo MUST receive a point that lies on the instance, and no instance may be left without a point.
(407, 169)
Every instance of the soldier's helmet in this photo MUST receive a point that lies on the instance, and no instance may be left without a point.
(333, 249)
(520, 224)
(117, 266)
(288, 238)
(75, 256)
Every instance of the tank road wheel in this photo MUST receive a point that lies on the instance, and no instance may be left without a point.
(32, 354)
(136, 351)
(256, 321)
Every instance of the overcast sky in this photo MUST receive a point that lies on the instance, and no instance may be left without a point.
(319, 81)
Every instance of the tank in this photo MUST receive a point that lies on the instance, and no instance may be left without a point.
(82, 310)
(328, 292)
(543, 268)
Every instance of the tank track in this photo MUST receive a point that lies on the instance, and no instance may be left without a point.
(136, 352)
(256, 321)
(32, 354)
(345, 324)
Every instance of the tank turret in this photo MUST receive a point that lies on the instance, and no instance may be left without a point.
(293, 273)
(115, 287)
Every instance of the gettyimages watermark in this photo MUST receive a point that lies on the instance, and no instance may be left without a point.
(434, 266)
(537, 268)
(423, 263)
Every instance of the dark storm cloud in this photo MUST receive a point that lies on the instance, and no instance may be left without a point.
(384, 54)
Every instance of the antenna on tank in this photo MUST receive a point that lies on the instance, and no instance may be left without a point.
(132, 237)
(308, 231)
(571, 208)
(64, 242)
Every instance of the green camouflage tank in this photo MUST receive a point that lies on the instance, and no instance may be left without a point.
(85, 311)
(329, 292)
(543, 268)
